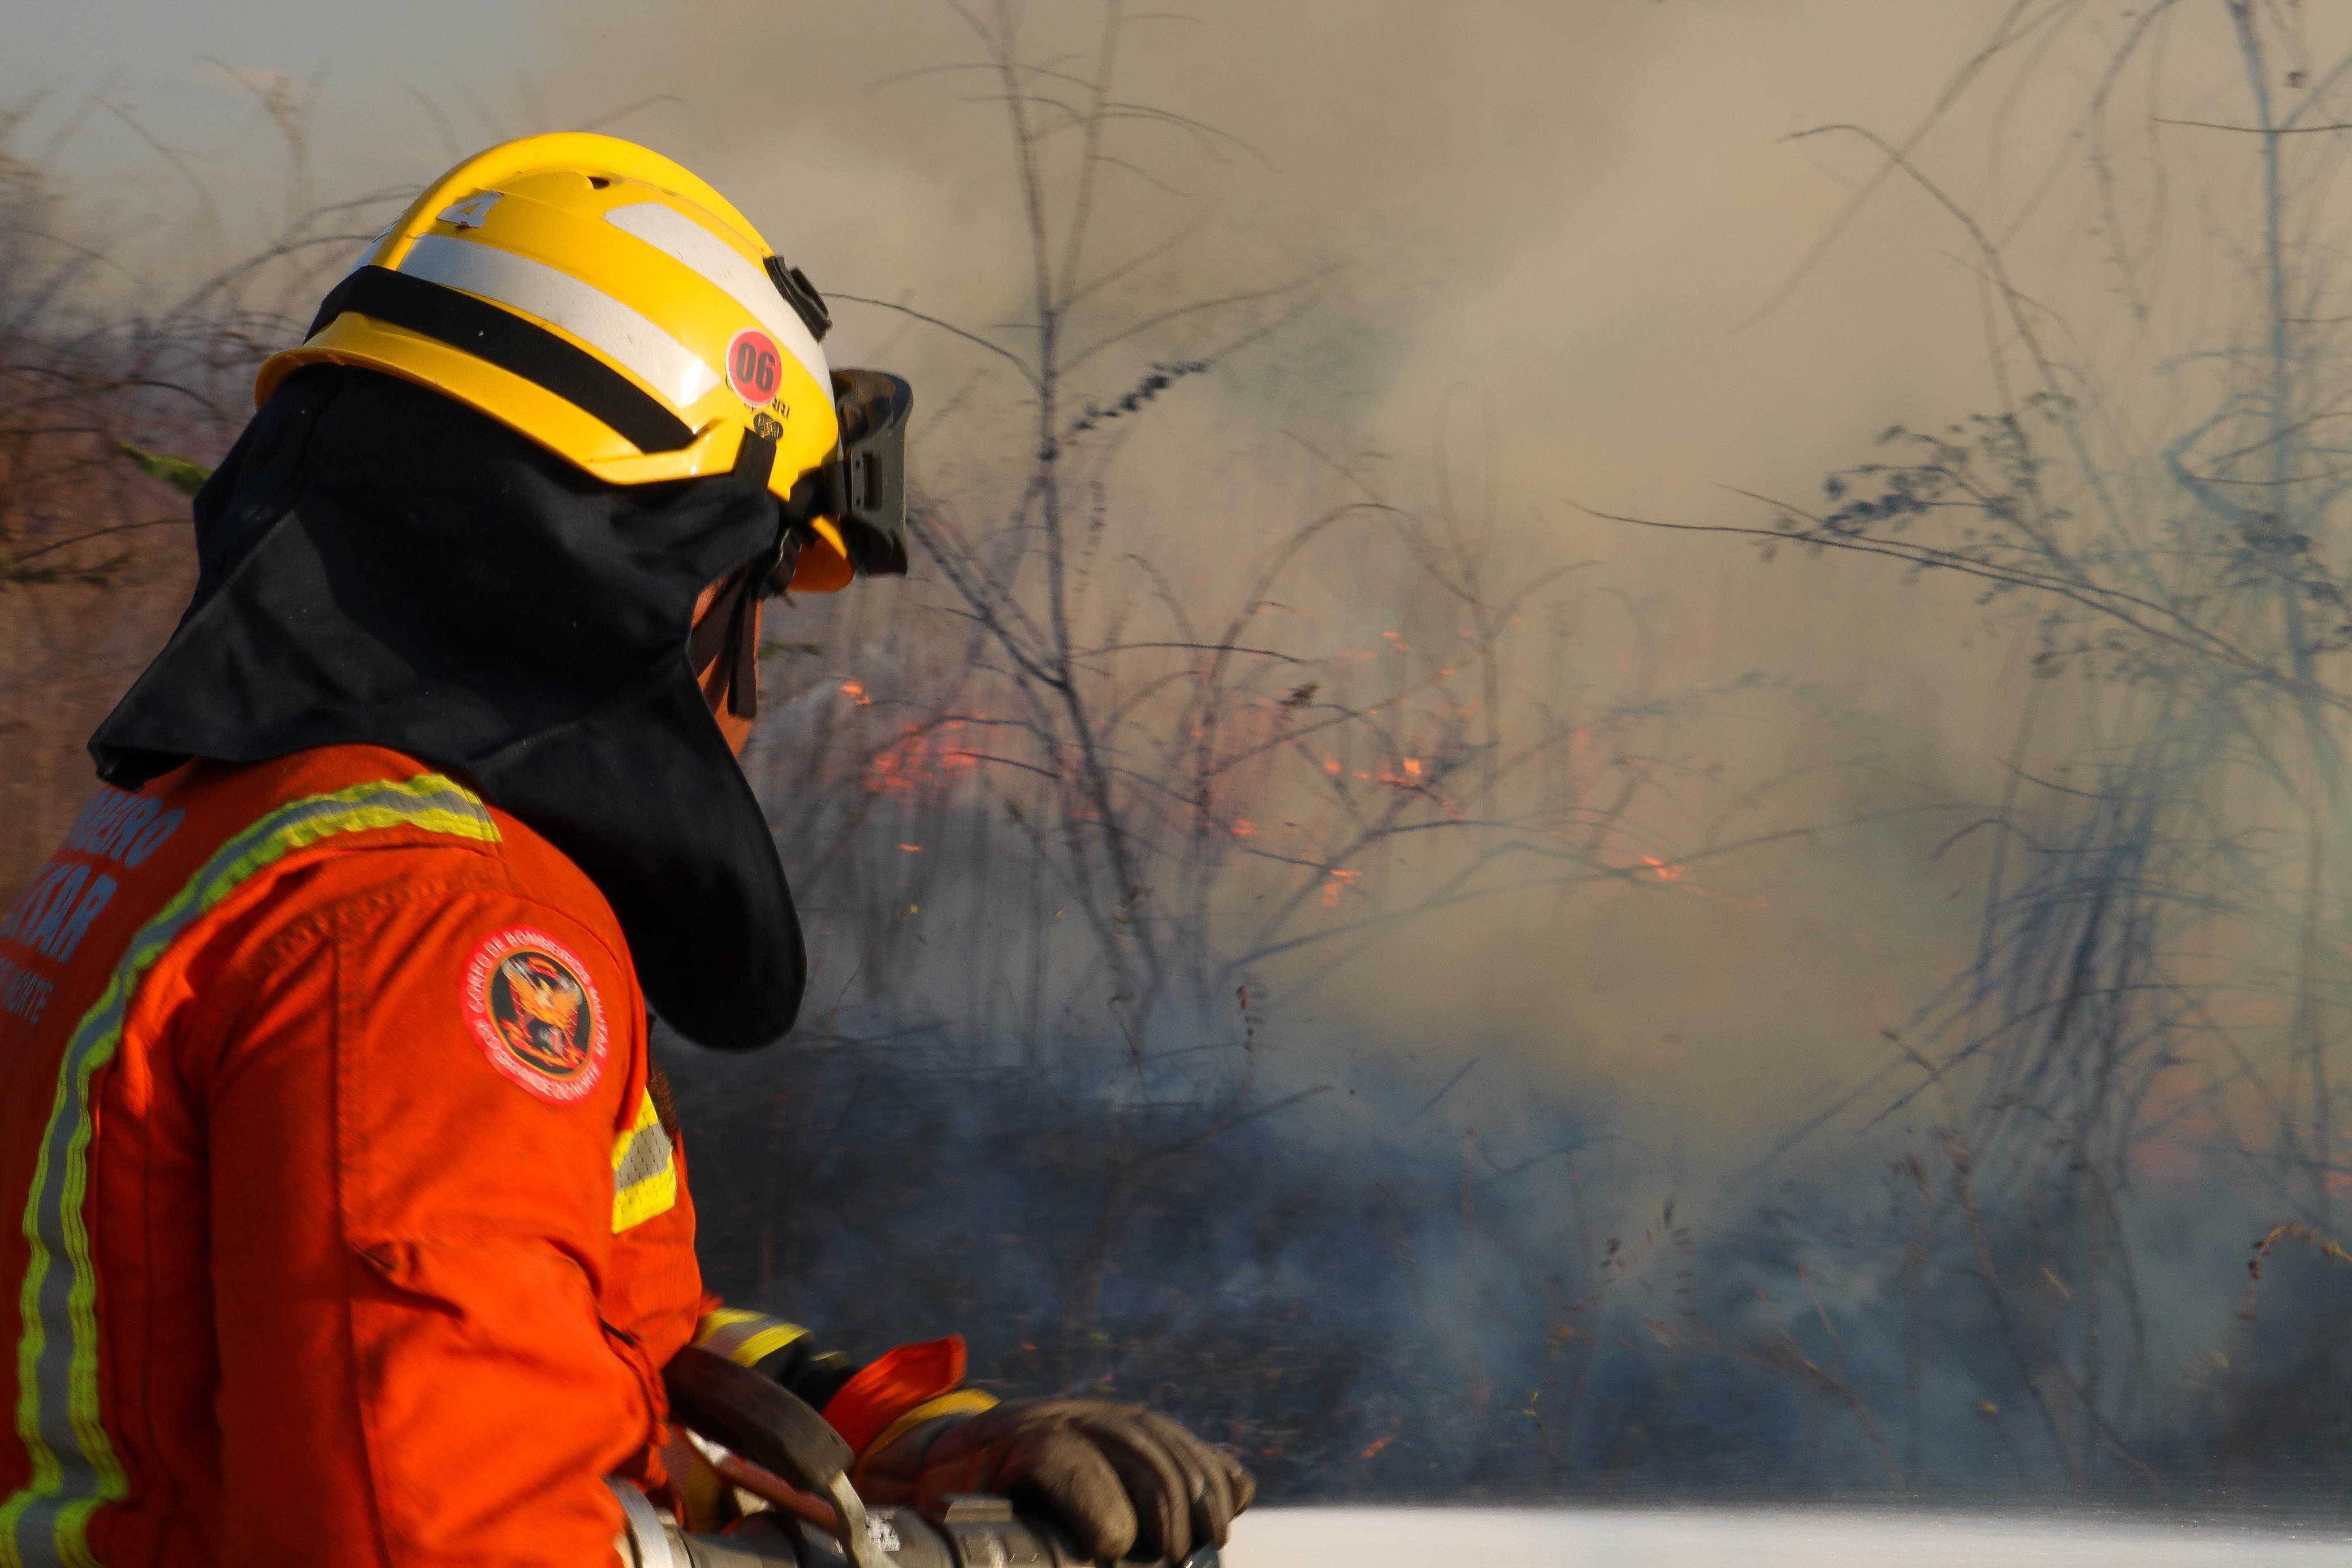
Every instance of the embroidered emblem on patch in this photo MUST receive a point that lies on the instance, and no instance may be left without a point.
(535, 1014)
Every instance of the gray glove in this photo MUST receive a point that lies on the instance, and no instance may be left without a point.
(1124, 1481)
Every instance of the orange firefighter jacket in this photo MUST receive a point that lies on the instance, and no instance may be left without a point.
(337, 1222)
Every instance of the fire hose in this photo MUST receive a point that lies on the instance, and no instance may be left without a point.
(820, 1521)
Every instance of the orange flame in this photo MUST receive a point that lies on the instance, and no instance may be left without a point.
(1667, 871)
(919, 758)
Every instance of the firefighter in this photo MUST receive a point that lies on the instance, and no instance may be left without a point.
(348, 1221)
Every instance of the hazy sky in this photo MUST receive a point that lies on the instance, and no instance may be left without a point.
(1563, 203)
(1562, 211)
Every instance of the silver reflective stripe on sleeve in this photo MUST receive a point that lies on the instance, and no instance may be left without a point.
(74, 1469)
(645, 1175)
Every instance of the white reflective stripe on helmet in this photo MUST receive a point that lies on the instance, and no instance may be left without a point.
(367, 251)
(674, 371)
(684, 240)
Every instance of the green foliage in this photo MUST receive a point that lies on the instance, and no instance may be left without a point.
(183, 476)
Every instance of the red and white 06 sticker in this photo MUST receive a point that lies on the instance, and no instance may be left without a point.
(536, 1014)
(755, 366)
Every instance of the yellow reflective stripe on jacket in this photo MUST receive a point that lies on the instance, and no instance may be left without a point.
(74, 1467)
(745, 1338)
(645, 1177)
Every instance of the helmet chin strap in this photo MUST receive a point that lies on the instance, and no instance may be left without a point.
(742, 654)
(726, 632)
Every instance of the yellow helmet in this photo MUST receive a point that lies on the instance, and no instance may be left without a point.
(611, 306)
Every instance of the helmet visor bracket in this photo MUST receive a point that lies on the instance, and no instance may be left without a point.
(861, 488)
(802, 296)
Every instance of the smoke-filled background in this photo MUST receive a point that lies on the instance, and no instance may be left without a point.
(1326, 919)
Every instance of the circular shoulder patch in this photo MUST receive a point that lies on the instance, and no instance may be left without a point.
(535, 1013)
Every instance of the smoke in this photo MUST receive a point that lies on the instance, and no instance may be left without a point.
(1546, 224)
(1547, 254)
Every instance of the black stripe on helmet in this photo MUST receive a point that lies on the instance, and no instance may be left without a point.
(523, 348)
